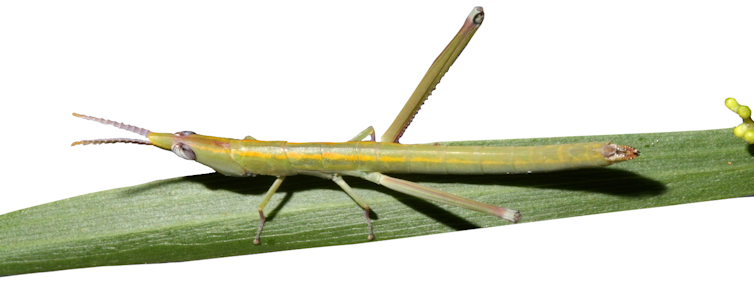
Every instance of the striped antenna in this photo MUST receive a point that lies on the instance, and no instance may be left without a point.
(134, 129)
(110, 141)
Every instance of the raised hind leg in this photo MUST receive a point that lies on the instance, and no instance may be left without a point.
(436, 71)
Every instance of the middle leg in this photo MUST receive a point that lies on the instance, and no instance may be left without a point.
(364, 205)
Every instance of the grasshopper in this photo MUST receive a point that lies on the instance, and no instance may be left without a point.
(370, 160)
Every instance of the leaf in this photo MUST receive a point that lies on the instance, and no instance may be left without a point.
(212, 215)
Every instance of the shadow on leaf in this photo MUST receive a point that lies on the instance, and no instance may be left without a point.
(598, 180)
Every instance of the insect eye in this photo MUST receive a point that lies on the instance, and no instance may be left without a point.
(185, 133)
(184, 151)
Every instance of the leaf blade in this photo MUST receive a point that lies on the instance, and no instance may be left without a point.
(211, 215)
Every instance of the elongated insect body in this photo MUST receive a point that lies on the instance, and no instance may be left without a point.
(369, 159)
(476, 160)
(279, 158)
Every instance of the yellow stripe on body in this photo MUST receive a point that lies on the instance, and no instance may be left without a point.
(284, 157)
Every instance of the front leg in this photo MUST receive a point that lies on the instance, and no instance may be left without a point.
(263, 203)
(363, 134)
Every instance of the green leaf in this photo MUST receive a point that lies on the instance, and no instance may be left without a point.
(212, 215)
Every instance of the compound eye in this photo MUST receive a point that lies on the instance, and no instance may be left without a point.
(184, 151)
(185, 133)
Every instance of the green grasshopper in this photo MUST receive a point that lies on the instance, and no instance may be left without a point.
(369, 159)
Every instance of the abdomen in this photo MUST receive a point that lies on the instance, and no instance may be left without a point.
(396, 158)
(428, 159)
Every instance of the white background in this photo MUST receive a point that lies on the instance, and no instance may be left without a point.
(322, 71)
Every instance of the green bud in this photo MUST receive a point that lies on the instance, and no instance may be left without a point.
(732, 104)
(744, 111)
(749, 136)
(740, 130)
